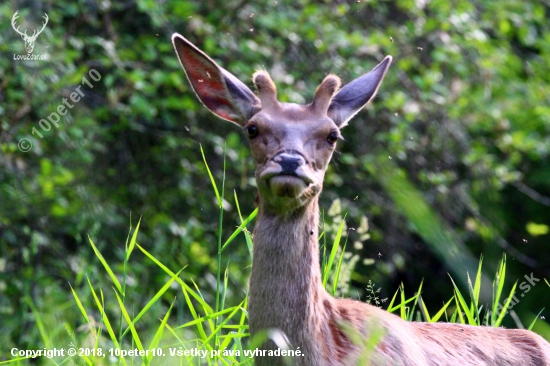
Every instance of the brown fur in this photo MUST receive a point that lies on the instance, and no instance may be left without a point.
(266, 88)
(324, 93)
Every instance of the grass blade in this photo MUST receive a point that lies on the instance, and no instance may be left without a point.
(333, 252)
(135, 336)
(158, 334)
(403, 309)
(39, 323)
(499, 284)
(220, 202)
(418, 293)
(219, 327)
(505, 307)
(463, 304)
(106, 266)
(191, 307)
(339, 269)
(241, 228)
(535, 320)
(438, 315)
(79, 304)
(247, 234)
(133, 241)
(105, 319)
(458, 311)
(477, 286)
(390, 306)
(207, 317)
(206, 307)
(404, 302)
(425, 311)
(153, 300)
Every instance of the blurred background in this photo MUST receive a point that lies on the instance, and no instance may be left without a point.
(448, 164)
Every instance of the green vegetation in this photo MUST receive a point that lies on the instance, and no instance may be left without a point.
(449, 164)
(217, 335)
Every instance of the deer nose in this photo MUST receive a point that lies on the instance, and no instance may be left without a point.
(289, 162)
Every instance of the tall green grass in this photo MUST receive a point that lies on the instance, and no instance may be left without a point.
(219, 330)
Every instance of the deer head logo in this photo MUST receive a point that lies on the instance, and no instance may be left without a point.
(29, 40)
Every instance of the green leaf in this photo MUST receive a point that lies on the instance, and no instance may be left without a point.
(537, 229)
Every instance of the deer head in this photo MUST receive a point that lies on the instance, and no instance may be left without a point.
(291, 144)
(29, 40)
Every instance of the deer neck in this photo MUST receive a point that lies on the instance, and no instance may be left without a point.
(286, 291)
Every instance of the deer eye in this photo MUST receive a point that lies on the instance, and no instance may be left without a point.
(252, 131)
(333, 137)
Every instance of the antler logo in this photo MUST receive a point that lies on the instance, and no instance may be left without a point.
(29, 40)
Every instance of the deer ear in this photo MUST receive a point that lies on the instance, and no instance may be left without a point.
(219, 90)
(352, 97)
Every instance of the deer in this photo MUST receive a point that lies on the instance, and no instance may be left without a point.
(291, 145)
(29, 40)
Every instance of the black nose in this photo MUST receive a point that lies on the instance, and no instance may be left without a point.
(289, 162)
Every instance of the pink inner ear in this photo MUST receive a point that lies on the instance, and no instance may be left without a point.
(208, 83)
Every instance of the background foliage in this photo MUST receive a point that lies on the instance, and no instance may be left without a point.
(450, 162)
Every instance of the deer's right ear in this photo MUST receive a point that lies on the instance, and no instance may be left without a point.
(219, 90)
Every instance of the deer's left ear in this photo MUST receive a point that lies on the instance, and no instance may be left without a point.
(219, 90)
(352, 97)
